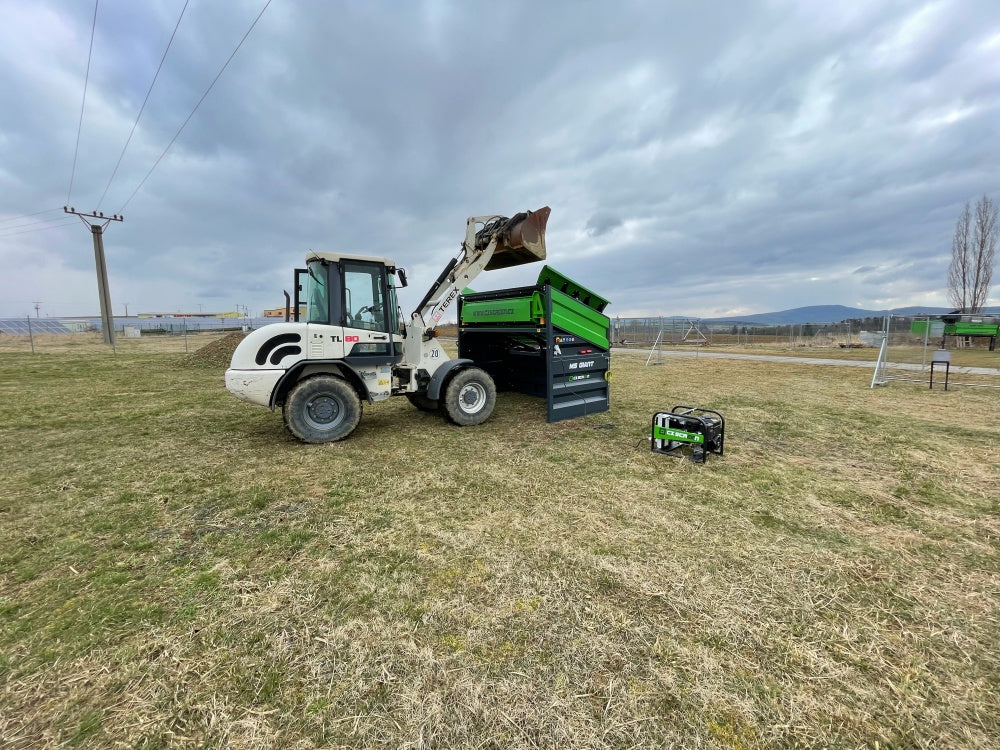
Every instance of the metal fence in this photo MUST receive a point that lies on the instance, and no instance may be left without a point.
(126, 325)
(630, 332)
(681, 331)
(154, 334)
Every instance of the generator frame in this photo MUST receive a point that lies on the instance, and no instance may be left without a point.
(688, 431)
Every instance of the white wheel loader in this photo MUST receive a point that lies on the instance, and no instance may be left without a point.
(354, 345)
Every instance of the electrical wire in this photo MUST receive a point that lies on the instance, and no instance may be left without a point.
(188, 119)
(33, 223)
(37, 229)
(79, 127)
(143, 107)
(28, 216)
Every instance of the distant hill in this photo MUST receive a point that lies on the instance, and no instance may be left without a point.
(810, 314)
(828, 314)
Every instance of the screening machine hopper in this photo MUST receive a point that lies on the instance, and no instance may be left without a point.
(550, 340)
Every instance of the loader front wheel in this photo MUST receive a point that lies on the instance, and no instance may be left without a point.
(470, 397)
(322, 409)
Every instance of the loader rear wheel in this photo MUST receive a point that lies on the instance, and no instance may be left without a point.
(423, 403)
(322, 409)
(470, 397)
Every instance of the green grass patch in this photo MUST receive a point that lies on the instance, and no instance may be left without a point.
(175, 570)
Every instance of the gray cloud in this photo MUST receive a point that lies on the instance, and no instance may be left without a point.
(753, 160)
(602, 223)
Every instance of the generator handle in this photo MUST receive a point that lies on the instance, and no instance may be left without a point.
(690, 409)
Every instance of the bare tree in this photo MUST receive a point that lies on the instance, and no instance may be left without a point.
(984, 246)
(958, 270)
(973, 249)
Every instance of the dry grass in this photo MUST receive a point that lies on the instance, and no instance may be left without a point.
(978, 356)
(176, 571)
(91, 343)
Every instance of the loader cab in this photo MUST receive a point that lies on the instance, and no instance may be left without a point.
(352, 291)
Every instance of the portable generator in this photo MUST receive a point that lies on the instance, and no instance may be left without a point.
(688, 431)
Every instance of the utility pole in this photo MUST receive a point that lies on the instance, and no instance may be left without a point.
(37, 306)
(97, 230)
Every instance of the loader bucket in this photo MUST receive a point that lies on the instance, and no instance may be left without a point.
(521, 241)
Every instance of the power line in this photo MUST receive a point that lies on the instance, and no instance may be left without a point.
(79, 127)
(33, 223)
(143, 107)
(37, 229)
(184, 124)
(28, 216)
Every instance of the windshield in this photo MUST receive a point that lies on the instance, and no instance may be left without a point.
(317, 294)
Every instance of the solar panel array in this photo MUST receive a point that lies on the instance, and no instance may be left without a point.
(20, 326)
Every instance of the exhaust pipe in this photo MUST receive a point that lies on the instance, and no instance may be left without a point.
(520, 239)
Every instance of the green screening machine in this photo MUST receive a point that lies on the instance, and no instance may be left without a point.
(550, 340)
(959, 325)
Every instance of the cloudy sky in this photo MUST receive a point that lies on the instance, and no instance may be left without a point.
(699, 158)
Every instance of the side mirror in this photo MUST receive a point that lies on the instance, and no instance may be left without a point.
(401, 275)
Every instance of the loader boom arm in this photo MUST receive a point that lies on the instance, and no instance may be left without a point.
(500, 243)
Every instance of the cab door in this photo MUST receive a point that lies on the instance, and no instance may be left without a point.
(365, 297)
(370, 320)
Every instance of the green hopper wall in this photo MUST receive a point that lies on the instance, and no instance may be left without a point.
(543, 341)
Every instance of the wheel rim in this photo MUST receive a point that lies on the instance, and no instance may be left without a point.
(471, 398)
(324, 412)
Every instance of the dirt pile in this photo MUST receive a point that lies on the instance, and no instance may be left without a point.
(216, 355)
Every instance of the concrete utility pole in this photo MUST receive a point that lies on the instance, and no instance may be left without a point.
(97, 230)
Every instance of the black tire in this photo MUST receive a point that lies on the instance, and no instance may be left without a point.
(423, 403)
(470, 397)
(322, 409)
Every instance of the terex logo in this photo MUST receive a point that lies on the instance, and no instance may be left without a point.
(441, 308)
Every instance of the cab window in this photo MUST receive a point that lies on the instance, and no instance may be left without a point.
(317, 294)
(364, 300)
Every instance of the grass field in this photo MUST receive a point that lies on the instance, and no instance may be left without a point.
(90, 342)
(908, 354)
(176, 571)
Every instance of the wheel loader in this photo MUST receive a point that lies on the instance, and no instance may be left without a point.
(354, 345)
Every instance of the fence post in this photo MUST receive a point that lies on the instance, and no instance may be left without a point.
(927, 331)
(31, 336)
